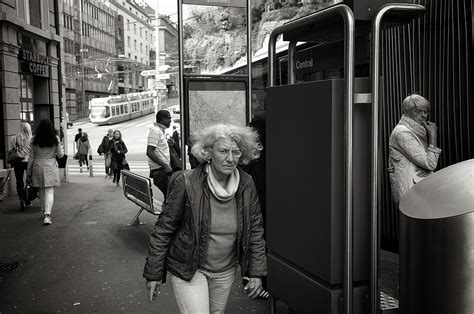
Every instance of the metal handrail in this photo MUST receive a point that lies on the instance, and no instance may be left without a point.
(349, 25)
(375, 69)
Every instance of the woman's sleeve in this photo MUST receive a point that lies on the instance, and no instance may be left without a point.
(257, 266)
(166, 226)
(31, 158)
(125, 150)
(412, 149)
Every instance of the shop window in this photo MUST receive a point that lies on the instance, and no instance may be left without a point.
(26, 98)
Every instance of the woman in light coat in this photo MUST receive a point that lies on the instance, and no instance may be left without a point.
(42, 166)
(413, 151)
(22, 143)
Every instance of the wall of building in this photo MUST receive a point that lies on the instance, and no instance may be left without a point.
(29, 69)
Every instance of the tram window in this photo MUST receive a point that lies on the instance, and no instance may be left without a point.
(98, 112)
(107, 112)
(126, 108)
(121, 109)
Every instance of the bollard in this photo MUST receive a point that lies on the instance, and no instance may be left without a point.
(437, 243)
(91, 167)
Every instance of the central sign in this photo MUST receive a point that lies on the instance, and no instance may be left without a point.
(222, 3)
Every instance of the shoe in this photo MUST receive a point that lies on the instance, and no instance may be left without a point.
(263, 295)
(47, 220)
(113, 180)
(106, 176)
(80, 170)
(28, 204)
(22, 205)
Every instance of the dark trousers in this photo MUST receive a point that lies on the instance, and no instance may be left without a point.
(160, 180)
(19, 170)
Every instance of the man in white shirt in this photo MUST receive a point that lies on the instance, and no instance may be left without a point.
(158, 151)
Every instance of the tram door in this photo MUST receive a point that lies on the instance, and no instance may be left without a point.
(305, 195)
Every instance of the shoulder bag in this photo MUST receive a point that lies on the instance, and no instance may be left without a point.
(12, 155)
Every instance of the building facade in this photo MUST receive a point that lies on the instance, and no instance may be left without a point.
(133, 37)
(29, 67)
(89, 53)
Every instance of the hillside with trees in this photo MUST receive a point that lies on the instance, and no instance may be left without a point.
(215, 38)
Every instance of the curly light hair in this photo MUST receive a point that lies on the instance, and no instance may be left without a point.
(246, 139)
(414, 101)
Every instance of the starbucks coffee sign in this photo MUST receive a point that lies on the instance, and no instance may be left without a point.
(34, 63)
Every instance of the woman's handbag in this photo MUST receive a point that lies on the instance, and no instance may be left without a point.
(12, 157)
(62, 161)
(108, 160)
(125, 165)
(30, 192)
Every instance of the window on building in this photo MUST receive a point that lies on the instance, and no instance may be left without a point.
(146, 49)
(141, 47)
(134, 28)
(146, 35)
(140, 31)
(130, 56)
(52, 17)
(26, 98)
(128, 25)
(33, 13)
(128, 41)
(135, 44)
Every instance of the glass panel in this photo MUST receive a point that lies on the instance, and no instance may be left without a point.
(97, 112)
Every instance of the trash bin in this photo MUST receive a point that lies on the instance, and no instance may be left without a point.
(437, 243)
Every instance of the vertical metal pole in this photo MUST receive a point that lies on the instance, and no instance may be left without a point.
(375, 76)
(249, 59)
(349, 96)
(181, 85)
(291, 62)
(157, 60)
(81, 50)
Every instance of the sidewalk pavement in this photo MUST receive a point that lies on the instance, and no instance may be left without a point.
(88, 260)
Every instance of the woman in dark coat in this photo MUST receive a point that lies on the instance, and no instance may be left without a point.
(211, 222)
(43, 169)
(118, 150)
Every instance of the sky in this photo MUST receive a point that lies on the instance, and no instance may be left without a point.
(167, 7)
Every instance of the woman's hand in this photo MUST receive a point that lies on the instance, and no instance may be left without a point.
(254, 287)
(153, 289)
(432, 131)
(430, 127)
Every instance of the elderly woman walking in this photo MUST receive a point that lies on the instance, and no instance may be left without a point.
(42, 166)
(413, 151)
(21, 142)
(210, 223)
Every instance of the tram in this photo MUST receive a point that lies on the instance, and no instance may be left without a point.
(113, 109)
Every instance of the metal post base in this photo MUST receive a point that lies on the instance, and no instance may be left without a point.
(136, 220)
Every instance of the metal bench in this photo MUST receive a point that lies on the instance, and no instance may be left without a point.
(139, 190)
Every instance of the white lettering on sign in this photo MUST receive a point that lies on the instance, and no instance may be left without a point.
(304, 64)
(37, 68)
(35, 57)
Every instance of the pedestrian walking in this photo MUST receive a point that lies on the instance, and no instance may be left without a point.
(118, 150)
(83, 149)
(22, 141)
(43, 171)
(210, 223)
(412, 144)
(158, 152)
(78, 135)
(104, 148)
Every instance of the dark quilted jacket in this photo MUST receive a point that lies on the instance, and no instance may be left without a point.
(179, 240)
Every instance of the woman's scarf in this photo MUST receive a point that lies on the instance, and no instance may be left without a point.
(415, 127)
(221, 193)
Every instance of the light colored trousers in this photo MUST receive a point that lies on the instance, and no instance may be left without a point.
(207, 292)
(46, 196)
